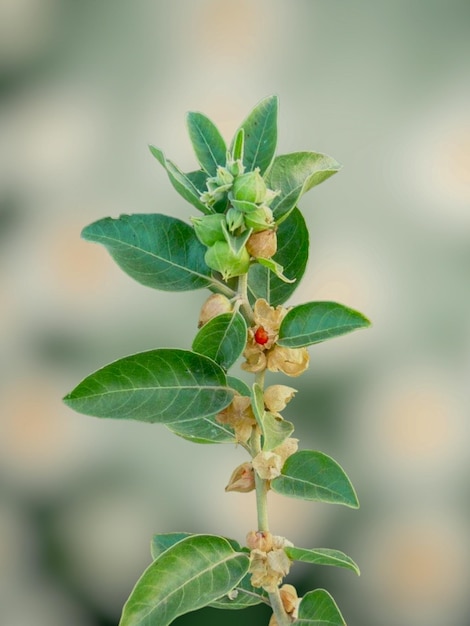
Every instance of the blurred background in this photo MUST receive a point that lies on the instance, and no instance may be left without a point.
(385, 89)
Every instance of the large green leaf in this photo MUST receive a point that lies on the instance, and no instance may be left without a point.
(322, 556)
(241, 597)
(294, 174)
(208, 144)
(223, 338)
(292, 254)
(317, 608)
(260, 134)
(203, 430)
(164, 385)
(155, 250)
(187, 576)
(314, 322)
(183, 183)
(312, 475)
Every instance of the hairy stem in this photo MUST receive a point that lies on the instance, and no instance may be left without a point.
(278, 609)
(243, 294)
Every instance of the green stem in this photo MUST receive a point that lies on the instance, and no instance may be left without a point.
(243, 293)
(278, 609)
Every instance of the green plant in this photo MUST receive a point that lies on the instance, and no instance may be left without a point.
(250, 249)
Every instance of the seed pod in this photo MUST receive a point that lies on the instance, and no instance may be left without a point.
(223, 259)
(249, 187)
(262, 244)
(242, 479)
(216, 304)
(289, 597)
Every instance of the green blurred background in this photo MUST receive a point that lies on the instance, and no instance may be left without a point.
(384, 87)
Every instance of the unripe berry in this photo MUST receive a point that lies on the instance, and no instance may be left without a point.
(209, 228)
(223, 259)
(249, 187)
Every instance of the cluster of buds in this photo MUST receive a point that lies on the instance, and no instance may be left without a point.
(269, 563)
(262, 351)
(245, 229)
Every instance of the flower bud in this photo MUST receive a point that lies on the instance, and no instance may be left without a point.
(249, 187)
(242, 479)
(259, 540)
(209, 228)
(223, 259)
(235, 219)
(262, 244)
(216, 304)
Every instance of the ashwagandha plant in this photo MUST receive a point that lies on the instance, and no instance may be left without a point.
(249, 248)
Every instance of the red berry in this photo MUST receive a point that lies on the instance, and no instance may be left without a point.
(261, 336)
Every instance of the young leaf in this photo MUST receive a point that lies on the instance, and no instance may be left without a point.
(260, 129)
(317, 608)
(187, 576)
(294, 174)
(183, 183)
(156, 250)
(274, 429)
(314, 322)
(208, 143)
(223, 338)
(322, 556)
(164, 385)
(313, 475)
(292, 255)
(238, 145)
(203, 430)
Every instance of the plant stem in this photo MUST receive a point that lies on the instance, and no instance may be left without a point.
(278, 609)
(243, 293)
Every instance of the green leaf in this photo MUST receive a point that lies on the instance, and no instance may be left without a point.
(223, 338)
(317, 608)
(183, 183)
(189, 575)
(274, 429)
(238, 145)
(242, 596)
(275, 268)
(294, 174)
(312, 475)
(203, 430)
(260, 129)
(208, 143)
(156, 250)
(161, 542)
(292, 255)
(239, 385)
(314, 322)
(322, 556)
(164, 385)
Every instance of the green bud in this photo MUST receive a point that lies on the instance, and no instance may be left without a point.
(249, 187)
(224, 177)
(242, 205)
(235, 219)
(260, 219)
(223, 259)
(209, 228)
